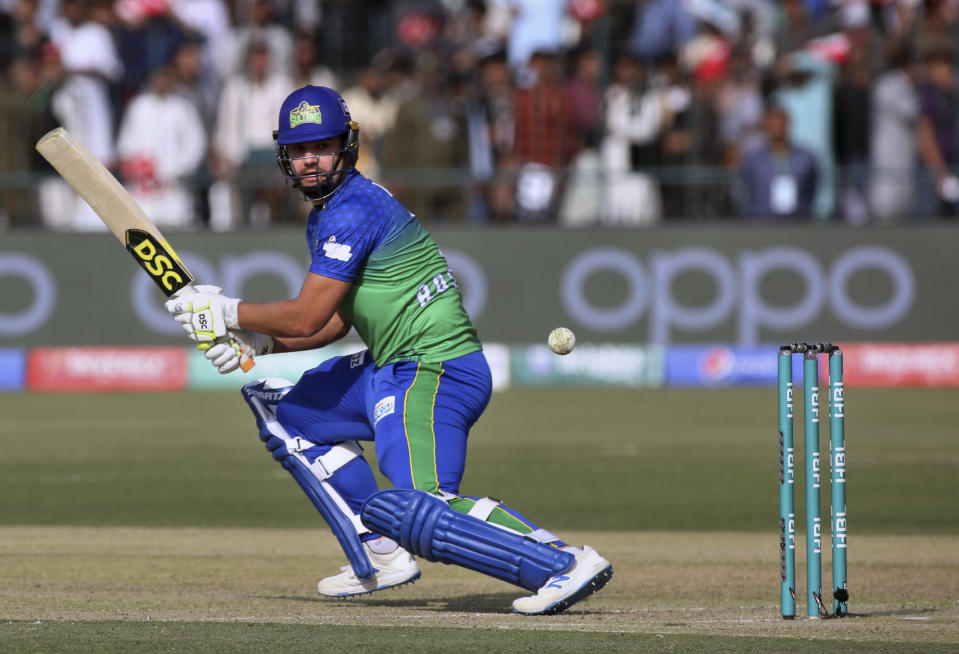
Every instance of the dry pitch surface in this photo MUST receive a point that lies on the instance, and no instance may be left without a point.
(903, 588)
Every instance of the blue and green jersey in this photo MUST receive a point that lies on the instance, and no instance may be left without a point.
(404, 301)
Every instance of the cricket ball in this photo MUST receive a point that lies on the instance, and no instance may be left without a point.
(561, 340)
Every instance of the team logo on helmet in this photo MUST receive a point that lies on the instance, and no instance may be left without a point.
(306, 113)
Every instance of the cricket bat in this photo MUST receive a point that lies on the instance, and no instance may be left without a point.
(120, 212)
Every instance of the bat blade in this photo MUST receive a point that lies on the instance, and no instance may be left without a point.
(116, 208)
(119, 212)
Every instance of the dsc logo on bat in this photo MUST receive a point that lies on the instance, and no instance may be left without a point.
(159, 260)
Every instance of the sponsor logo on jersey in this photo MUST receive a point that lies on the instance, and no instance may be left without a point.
(383, 408)
(338, 251)
(306, 113)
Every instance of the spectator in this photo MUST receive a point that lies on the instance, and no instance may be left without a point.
(851, 136)
(190, 82)
(90, 61)
(161, 145)
(935, 23)
(740, 107)
(467, 24)
(636, 115)
(242, 146)
(147, 38)
(208, 24)
(543, 138)
(24, 118)
(308, 70)
(582, 202)
(936, 131)
(691, 139)
(25, 37)
(778, 180)
(892, 149)
(427, 143)
(261, 28)
(36, 81)
(375, 110)
(806, 92)
(585, 96)
(491, 136)
(82, 102)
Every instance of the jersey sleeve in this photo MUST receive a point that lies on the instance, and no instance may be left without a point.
(342, 241)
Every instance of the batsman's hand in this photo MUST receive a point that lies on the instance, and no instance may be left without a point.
(226, 352)
(204, 312)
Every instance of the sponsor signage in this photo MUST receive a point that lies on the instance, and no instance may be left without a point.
(669, 285)
(723, 365)
(106, 369)
(587, 365)
(12, 365)
(897, 365)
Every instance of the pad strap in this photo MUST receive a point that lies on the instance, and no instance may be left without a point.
(326, 464)
(542, 536)
(483, 508)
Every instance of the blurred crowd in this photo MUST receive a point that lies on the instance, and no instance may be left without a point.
(570, 112)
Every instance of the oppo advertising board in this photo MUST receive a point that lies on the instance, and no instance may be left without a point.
(688, 284)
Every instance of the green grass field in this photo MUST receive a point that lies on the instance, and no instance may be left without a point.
(665, 468)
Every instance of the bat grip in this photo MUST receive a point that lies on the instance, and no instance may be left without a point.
(246, 361)
(246, 355)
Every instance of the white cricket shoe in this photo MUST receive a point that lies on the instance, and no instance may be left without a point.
(588, 574)
(389, 570)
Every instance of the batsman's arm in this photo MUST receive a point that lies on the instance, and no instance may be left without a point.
(305, 316)
(335, 329)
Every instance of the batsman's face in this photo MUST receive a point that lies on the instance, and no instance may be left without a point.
(313, 158)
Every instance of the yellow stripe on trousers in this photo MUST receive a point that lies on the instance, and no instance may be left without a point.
(419, 407)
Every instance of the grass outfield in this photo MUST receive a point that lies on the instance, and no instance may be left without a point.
(612, 460)
(152, 522)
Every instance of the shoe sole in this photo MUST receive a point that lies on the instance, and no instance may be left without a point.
(599, 580)
(375, 590)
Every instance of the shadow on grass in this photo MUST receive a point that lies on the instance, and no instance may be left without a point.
(476, 603)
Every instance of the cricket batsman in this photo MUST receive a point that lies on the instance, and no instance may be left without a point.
(414, 393)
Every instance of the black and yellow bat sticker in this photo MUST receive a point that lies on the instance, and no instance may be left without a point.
(159, 260)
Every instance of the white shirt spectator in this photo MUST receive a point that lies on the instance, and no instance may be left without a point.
(632, 119)
(162, 139)
(82, 105)
(248, 114)
(89, 56)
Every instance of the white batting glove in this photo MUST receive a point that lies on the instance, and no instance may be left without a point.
(225, 353)
(204, 313)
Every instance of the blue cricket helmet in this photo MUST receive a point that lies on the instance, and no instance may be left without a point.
(314, 113)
